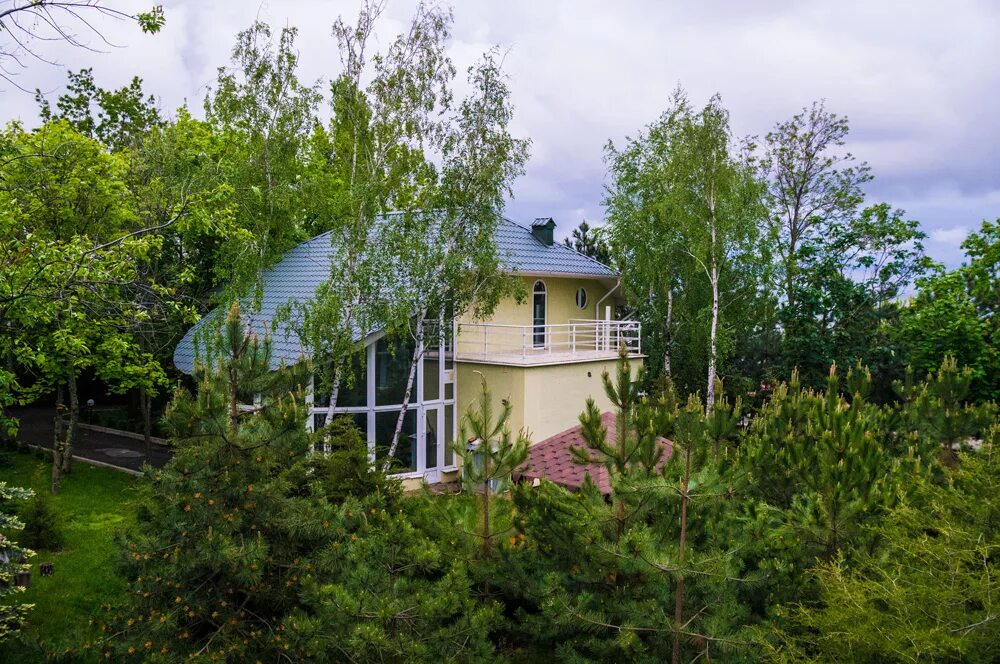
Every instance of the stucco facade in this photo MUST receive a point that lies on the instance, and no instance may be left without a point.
(545, 399)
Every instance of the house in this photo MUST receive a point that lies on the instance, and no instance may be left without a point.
(545, 354)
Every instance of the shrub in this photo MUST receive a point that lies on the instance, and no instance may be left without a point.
(43, 527)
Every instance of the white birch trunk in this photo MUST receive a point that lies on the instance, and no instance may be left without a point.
(714, 278)
(670, 334)
(418, 352)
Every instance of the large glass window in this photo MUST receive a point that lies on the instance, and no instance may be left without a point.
(432, 363)
(432, 437)
(353, 390)
(449, 435)
(392, 369)
(373, 399)
(405, 459)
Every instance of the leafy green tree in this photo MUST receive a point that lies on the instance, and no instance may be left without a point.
(928, 592)
(706, 191)
(844, 305)
(955, 313)
(262, 116)
(812, 184)
(13, 561)
(76, 252)
(389, 112)
(589, 241)
(123, 116)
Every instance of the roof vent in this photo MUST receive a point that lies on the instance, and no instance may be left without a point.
(542, 228)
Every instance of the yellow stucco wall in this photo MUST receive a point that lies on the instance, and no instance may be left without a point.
(505, 382)
(545, 399)
(561, 302)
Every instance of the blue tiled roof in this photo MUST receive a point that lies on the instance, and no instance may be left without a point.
(300, 272)
(525, 253)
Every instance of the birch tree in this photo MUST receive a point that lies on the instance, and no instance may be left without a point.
(690, 177)
(455, 264)
(368, 161)
(399, 142)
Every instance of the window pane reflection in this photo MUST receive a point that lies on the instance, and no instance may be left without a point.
(406, 452)
(392, 369)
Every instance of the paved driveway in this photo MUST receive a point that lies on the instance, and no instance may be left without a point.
(122, 451)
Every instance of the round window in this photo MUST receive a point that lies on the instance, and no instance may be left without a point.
(581, 297)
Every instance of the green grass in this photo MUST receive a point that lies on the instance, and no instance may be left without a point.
(95, 504)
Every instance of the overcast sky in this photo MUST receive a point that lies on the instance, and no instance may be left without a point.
(918, 79)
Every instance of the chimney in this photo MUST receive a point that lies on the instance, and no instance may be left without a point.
(542, 228)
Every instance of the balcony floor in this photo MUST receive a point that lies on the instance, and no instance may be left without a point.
(540, 357)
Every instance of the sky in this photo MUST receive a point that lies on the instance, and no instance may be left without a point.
(919, 81)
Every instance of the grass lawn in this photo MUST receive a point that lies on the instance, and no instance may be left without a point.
(95, 503)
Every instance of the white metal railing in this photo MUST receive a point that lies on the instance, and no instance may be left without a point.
(578, 337)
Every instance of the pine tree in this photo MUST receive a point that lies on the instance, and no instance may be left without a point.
(650, 575)
(224, 535)
(250, 547)
(487, 465)
(940, 409)
(929, 592)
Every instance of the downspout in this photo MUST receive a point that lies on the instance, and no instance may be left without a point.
(597, 307)
(597, 313)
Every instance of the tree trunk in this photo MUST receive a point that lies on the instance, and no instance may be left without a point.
(145, 405)
(713, 335)
(234, 398)
(57, 440)
(334, 395)
(74, 420)
(418, 352)
(669, 337)
(679, 592)
(487, 534)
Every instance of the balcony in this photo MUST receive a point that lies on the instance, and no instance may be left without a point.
(527, 345)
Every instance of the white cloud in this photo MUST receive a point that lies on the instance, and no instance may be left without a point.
(949, 237)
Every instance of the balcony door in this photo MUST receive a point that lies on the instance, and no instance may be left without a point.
(538, 304)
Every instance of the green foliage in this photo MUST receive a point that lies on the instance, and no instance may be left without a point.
(929, 591)
(222, 532)
(262, 115)
(248, 547)
(823, 460)
(843, 308)
(590, 242)
(13, 560)
(955, 313)
(940, 409)
(685, 211)
(650, 575)
(124, 116)
(43, 525)
(491, 457)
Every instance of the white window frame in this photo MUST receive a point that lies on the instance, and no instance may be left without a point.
(545, 304)
(418, 405)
